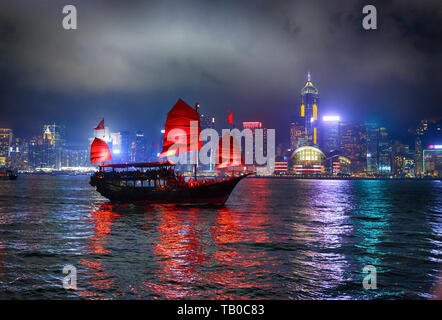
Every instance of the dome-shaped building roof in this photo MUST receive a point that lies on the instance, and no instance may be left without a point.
(307, 153)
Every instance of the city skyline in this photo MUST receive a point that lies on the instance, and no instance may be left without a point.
(319, 144)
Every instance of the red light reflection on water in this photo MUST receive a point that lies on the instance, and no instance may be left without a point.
(102, 220)
(192, 241)
(233, 228)
(179, 252)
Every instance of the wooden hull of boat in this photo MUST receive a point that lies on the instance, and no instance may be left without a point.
(215, 193)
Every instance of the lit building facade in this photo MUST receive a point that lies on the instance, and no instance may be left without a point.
(352, 145)
(399, 155)
(309, 111)
(329, 134)
(54, 141)
(432, 161)
(75, 156)
(125, 146)
(385, 151)
(297, 135)
(140, 147)
(372, 130)
(339, 166)
(308, 160)
(5, 145)
(19, 154)
(281, 167)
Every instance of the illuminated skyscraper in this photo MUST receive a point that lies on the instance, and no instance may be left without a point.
(53, 143)
(5, 144)
(421, 131)
(372, 148)
(309, 110)
(140, 147)
(385, 150)
(352, 145)
(329, 134)
(297, 135)
(125, 146)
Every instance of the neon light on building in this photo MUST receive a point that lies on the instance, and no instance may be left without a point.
(331, 118)
(252, 125)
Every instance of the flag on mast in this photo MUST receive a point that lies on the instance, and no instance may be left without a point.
(100, 125)
(230, 117)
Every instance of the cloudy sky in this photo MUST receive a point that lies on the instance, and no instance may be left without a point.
(129, 61)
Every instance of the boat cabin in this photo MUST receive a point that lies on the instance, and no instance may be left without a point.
(139, 175)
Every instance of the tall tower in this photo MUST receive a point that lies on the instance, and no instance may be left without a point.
(309, 111)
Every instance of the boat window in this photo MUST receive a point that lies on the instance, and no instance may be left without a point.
(130, 183)
(138, 184)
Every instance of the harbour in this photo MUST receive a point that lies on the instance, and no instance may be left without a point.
(288, 239)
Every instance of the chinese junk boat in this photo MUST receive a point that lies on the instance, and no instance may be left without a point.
(157, 182)
(7, 174)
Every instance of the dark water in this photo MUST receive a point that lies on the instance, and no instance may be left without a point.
(275, 239)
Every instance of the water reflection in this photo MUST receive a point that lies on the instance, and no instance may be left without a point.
(99, 279)
(180, 252)
(274, 239)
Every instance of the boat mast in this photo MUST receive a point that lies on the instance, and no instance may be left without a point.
(197, 106)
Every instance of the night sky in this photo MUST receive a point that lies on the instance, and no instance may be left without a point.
(129, 62)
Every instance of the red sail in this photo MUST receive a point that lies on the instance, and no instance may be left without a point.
(100, 151)
(229, 158)
(186, 138)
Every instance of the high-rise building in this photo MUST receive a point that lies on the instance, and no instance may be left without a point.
(35, 152)
(399, 155)
(19, 154)
(140, 147)
(309, 111)
(297, 135)
(421, 131)
(54, 142)
(372, 148)
(5, 145)
(352, 145)
(125, 146)
(432, 161)
(385, 150)
(115, 147)
(75, 156)
(329, 134)
(428, 133)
